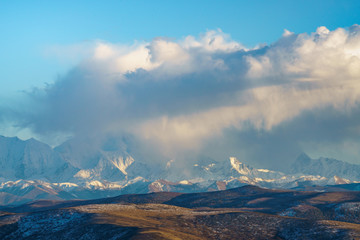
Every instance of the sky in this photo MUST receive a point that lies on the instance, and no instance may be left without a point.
(262, 80)
(32, 31)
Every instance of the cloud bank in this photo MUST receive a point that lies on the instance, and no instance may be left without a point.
(211, 94)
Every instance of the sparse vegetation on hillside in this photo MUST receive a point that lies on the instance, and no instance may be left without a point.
(244, 213)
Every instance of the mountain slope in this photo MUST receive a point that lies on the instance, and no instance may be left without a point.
(107, 162)
(157, 221)
(31, 159)
(32, 170)
(326, 167)
(255, 213)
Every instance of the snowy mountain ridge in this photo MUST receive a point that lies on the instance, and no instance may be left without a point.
(31, 159)
(326, 167)
(33, 170)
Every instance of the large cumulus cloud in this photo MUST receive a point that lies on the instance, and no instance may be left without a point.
(189, 94)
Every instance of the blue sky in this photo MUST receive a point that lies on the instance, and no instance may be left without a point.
(29, 28)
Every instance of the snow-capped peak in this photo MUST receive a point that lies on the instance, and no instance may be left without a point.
(122, 164)
(239, 166)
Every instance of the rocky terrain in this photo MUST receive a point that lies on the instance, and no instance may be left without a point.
(247, 212)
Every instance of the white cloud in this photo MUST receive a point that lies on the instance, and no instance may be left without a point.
(287, 33)
(316, 71)
(177, 94)
(213, 41)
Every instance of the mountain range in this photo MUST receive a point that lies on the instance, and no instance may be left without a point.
(31, 170)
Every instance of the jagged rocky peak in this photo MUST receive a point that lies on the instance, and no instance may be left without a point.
(301, 160)
(326, 167)
(240, 167)
(122, 163)
(86, 152)
(28, 159)
(303, 157)
(106, 160)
